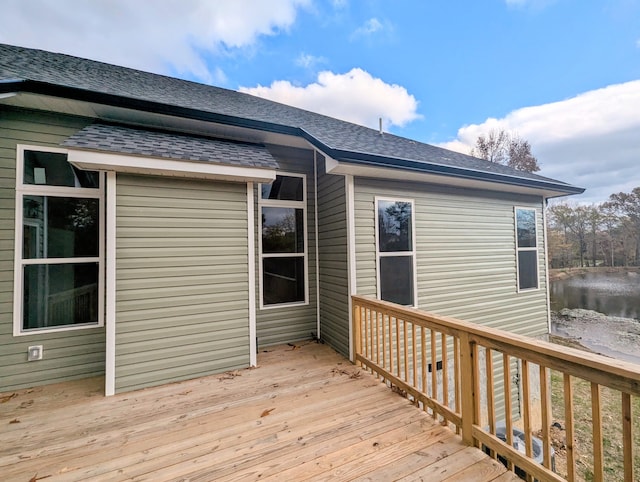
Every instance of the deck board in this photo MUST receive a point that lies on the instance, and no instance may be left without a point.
(303, 414)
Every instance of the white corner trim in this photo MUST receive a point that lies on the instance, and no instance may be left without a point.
(315, 216)
(251, 259)
(546, 261)
(110, 302)
(167, 167)
(351, 253)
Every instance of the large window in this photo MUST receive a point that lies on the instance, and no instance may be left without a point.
(527, 248)
(283, 241)
(395, 251)
(59, 243)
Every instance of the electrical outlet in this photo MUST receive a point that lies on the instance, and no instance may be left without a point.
(34, 353)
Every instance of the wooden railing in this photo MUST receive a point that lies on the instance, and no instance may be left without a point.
(494, 387)
(77, 304)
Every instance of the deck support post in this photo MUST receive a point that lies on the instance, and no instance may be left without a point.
(357, 332)
(467, 378)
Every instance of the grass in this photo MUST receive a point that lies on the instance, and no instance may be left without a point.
(611, 405)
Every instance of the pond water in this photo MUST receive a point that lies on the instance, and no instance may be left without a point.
(614, 294)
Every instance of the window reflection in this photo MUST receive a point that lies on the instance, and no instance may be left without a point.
(282, 230)
(59, 227)
(394, 226)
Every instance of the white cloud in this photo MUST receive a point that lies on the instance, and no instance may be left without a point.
(166, 36)
(309, 61)
(356, 97)
(591, 140)
(370, 27)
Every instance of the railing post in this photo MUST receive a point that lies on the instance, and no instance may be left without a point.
(469, 395)
(357, 331)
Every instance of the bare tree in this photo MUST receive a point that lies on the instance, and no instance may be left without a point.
(505, 148)
(520, 156)
(628, 205)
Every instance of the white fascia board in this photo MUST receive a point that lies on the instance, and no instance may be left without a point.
(102, 161)
(336, 167)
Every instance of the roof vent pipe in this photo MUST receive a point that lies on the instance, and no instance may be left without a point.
(380, 123)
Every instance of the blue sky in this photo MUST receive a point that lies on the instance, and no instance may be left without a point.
(563, 74)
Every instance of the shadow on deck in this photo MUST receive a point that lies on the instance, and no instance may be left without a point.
(304, 413)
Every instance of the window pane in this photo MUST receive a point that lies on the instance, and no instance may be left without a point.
(396, 279)
(526, 222)
(283, 280)
(282, 230)
(286, 188)
(527, 270)
(52, 169)
(60, 294)
(59, 227)
(394, 226)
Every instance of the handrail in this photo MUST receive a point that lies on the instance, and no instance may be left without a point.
(446, 366)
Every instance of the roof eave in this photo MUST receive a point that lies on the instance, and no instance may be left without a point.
(373, 166)
(353, 158)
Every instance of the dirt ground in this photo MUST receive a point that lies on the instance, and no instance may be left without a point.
(585, 328)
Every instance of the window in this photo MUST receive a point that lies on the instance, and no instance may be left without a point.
(59, 243)
(527, 248)
(396, 251)
(283, 241)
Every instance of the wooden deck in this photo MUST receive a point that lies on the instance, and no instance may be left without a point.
(303, 414)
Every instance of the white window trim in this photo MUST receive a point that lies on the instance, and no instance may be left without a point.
(518, 249)
(61, 191)
(379, 254)
(277, 203)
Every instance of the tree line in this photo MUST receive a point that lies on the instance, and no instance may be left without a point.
(604, 234)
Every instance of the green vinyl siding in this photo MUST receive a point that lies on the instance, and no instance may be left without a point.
(68, 355)
(275, 324)
(182, 285)
(465, 248)
(334, 265)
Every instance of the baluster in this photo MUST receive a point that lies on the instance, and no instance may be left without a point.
(491, 411)
(508, 412)
(545, 399)
(627, 437)
(568, 421)
(423, 359)
(596, 417)
(405, 345)
(445, 370)
(457, 384)
(526, 407)
(434, 368)
(414, 355)
(398, 362)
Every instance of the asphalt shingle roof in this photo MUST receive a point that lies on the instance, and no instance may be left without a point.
(142, 142)
(342, 140)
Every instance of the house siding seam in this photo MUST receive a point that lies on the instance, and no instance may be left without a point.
(68, 355)
(332, 238)
(182, 287)
(276, 325)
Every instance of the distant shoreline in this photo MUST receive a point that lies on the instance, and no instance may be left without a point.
(564, 273)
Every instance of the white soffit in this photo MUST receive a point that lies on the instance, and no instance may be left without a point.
(102, 161)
